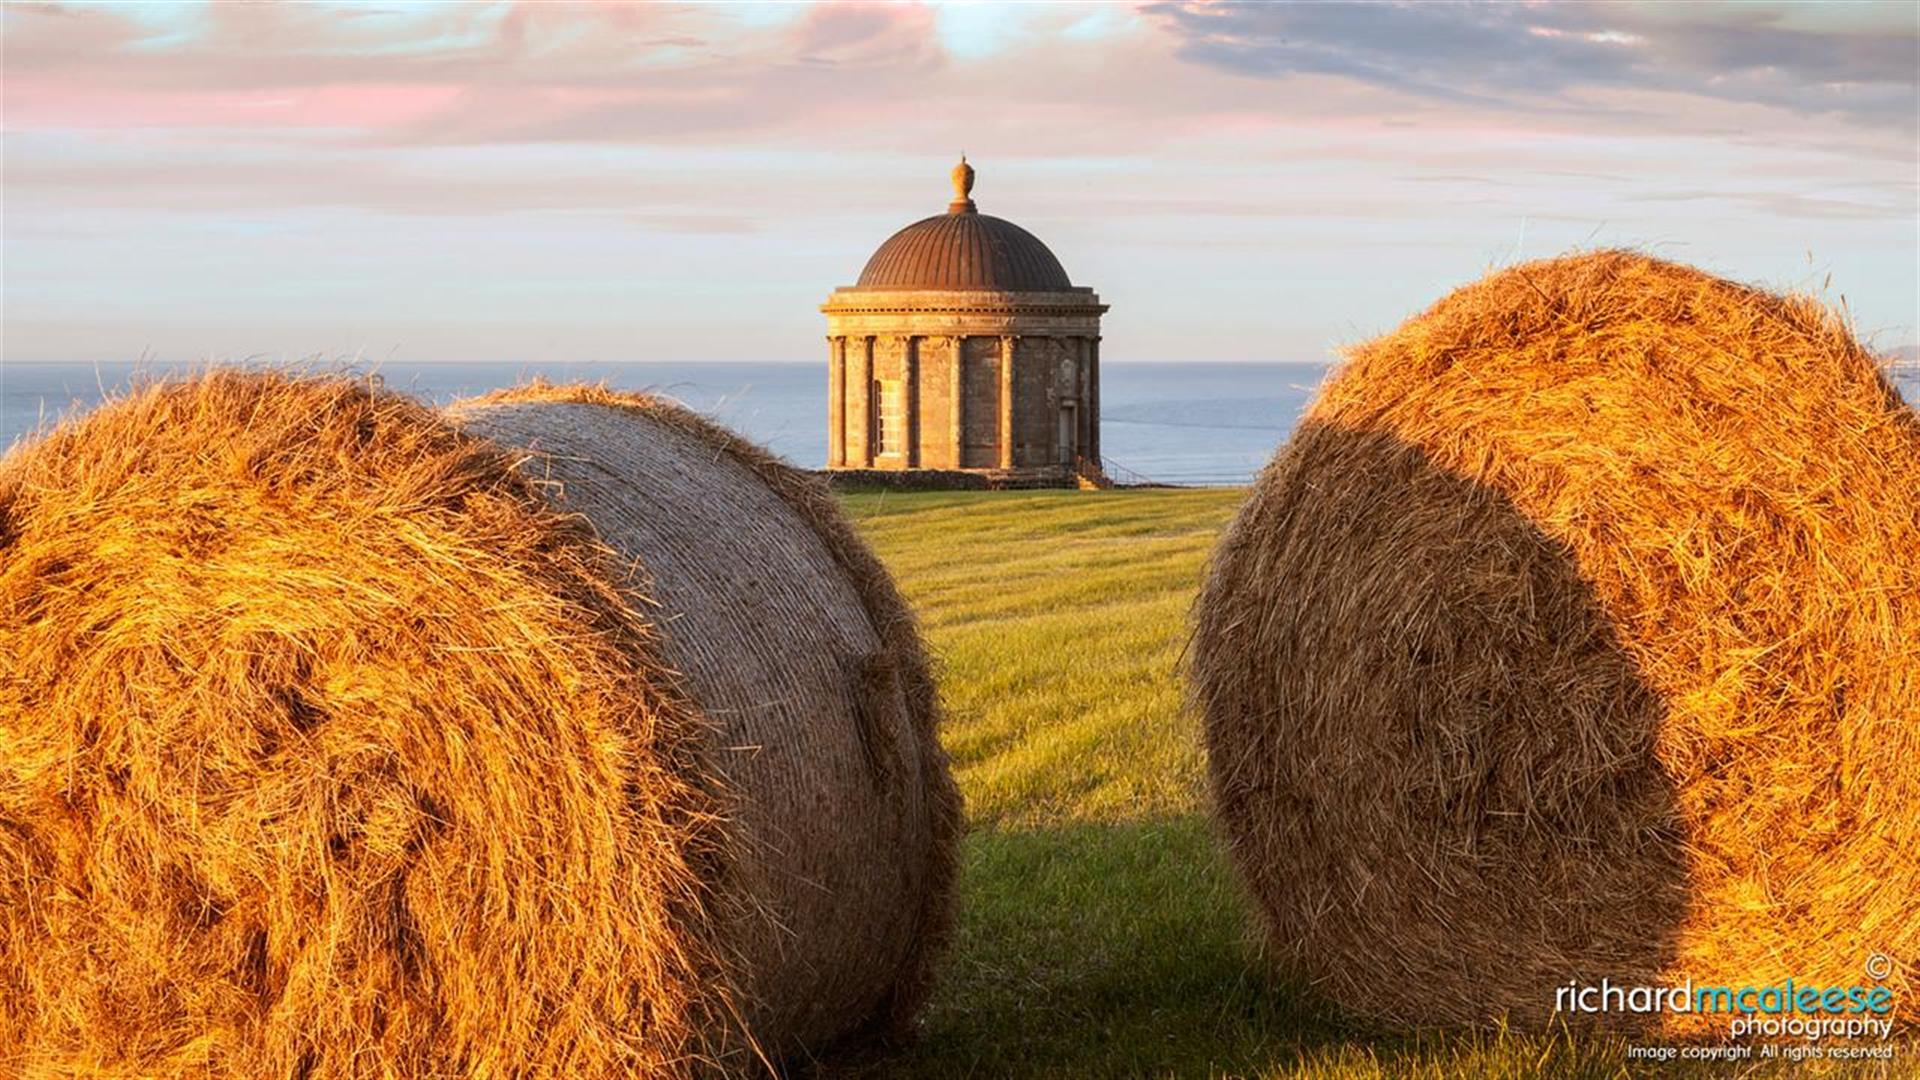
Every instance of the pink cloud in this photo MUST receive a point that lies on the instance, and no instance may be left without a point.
(851, 76)
(683, 144)
(42, 102)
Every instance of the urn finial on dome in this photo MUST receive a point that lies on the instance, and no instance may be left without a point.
(962, 188)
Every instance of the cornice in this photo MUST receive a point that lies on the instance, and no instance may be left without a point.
(856, 301)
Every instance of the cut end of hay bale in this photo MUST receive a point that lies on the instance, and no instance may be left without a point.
(1576, 634)
(331, 744)
(326, 736)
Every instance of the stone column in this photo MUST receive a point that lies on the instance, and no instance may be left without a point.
(1006, 401)
(870, 420)
(1083, 390)
(1093, 398)
(958, 395)
(836, 402)
(910, 391)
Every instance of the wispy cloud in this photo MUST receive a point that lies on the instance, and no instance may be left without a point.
(1239, 180)
(1860, 66)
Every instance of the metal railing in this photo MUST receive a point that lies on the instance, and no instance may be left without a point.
(1106, 472)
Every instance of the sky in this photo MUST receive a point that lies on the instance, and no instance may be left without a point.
(549, 182)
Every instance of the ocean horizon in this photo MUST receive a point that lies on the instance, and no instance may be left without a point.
(1169, 422)
(1194, 423)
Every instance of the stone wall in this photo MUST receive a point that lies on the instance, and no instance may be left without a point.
(980, 404)
(946, 479)
(1036, 397)
(937, 441)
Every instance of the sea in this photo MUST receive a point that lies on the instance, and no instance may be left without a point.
(1170, 423)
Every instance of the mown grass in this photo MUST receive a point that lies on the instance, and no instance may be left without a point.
(1101, 932)
(1056, 619)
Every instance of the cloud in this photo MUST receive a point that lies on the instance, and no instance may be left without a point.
(494, 72)
(1234, 178)
(1561, 56)
(1042, 78)
(1788, 204)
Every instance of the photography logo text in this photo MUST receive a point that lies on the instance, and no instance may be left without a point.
(1814, 1019)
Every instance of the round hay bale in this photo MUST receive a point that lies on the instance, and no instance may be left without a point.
(337, 741)
(793, 642)
(1576, 635)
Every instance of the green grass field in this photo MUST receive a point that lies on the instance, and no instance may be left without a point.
(1101, 932)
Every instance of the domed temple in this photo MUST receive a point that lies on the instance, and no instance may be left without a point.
(965, 346)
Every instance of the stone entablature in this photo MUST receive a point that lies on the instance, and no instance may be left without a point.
(854, 312)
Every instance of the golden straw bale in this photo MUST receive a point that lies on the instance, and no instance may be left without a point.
(334, 744)
(1576, 635)
(791, 637)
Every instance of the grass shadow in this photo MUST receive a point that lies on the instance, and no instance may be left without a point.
(1122, 950)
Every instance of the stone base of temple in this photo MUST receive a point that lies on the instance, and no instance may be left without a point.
(1059, 476)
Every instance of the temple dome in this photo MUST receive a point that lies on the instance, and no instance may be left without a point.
(964, 249)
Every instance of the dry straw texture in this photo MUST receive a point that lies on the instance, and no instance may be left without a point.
(1576, 634)
(792, 638)
(330, 746)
